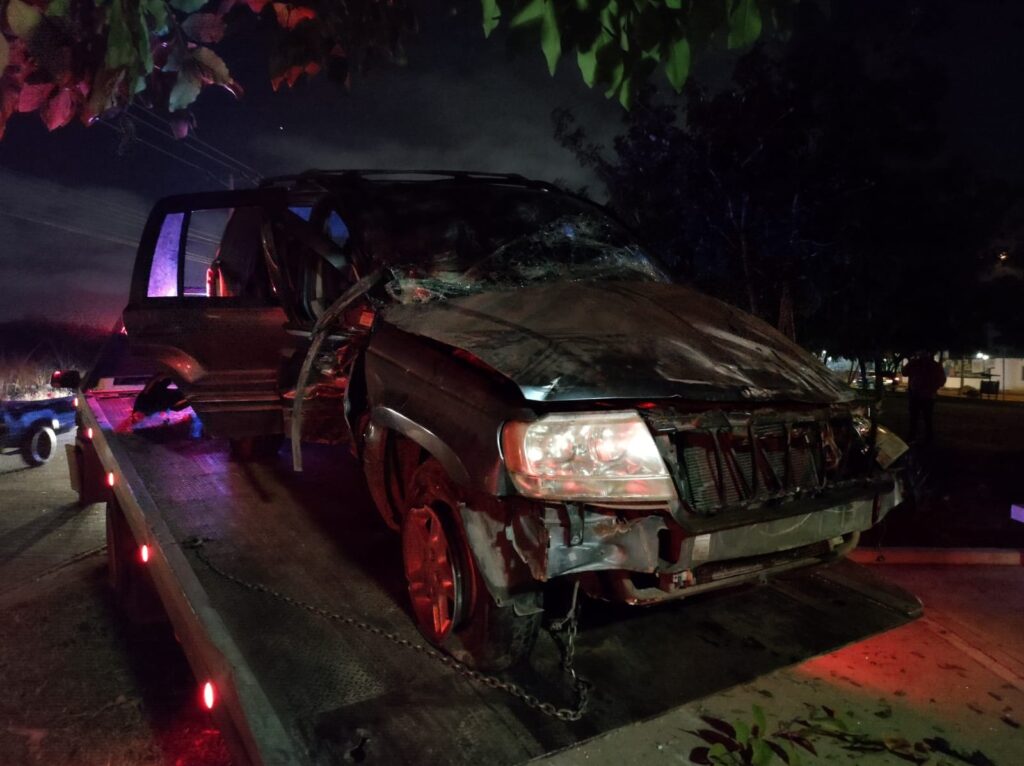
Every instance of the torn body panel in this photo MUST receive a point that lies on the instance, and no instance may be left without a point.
(573, 341)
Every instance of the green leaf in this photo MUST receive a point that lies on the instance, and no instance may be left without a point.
(617, 71)
(717, 752)
(492, 14)
(674, 5)
(145, 50)
(761, 754)
(214, 69)
(157, 10)
(185, 91)
(550, 37)
(742, 732)
(626, 93)
(587, 61)
(759, 720)
(744, 23)
(677, 65)
(58, 9)
(23, 19)
(120, 47)
(532, 12)
(5, 53)
(187, 6)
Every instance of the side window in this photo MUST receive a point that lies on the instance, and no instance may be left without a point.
(163, 274)
(209, 253)
(205, 232)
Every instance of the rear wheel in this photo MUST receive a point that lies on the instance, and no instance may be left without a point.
(450, 602)
(40, 445)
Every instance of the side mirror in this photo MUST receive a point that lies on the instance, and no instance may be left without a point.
(66, 379)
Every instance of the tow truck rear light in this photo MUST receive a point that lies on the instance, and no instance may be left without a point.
(144, 554)
(110, 478)
(209, 695)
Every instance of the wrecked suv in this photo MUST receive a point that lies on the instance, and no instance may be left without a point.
(533, 400)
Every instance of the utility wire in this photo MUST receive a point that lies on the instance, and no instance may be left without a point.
(69, 229)
(173, 156)
(236, 165)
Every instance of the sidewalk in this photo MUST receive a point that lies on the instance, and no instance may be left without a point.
(949, 687)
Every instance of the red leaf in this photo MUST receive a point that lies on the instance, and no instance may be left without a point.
(257, 6)
(57, 112)
(32, 97)
(312, 68)
(289, 16)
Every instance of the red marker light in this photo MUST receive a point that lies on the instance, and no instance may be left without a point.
(110, 478)
(74, 402)
(88, 434)
(144, 554)
(209, 695)
(56, 374)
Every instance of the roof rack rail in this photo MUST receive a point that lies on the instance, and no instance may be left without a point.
(423, 176)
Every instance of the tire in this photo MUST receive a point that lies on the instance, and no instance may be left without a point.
(460, 618)
(40, 446)
(256, 448)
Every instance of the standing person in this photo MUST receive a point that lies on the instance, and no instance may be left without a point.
(925, 378)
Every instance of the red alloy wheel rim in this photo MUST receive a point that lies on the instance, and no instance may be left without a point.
(435, 586)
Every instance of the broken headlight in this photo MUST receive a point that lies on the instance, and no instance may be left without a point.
(587, 456)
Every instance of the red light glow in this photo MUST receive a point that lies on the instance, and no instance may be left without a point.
(144, 554)
(56, 374)
(88, 433)
(74, 402)
(209, 695)
(110, 478)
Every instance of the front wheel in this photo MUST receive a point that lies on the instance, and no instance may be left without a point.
(40, 446)
(450, 602)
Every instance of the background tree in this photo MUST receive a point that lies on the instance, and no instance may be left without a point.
(812, 190)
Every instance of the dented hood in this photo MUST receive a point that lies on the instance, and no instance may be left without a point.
(596, 340)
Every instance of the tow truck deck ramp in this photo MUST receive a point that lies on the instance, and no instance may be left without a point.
(299, 688)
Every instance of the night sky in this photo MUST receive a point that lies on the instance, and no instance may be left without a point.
(72, 203)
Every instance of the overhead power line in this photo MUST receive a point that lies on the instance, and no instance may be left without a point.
(173, 156)
(193, 142)
(69, 229)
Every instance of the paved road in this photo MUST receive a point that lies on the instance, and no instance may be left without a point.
(80, 688)
(41, 525)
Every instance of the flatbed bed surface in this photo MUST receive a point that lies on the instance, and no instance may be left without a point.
(301, 688)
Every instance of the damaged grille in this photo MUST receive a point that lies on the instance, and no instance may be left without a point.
(729, 461)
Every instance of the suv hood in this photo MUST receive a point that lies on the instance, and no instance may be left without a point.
(595, 340)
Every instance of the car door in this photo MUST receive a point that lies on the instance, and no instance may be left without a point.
(203, 307)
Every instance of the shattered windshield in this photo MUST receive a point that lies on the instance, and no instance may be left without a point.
(460, 241)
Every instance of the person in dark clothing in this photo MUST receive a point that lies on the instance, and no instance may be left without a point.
(925, 378)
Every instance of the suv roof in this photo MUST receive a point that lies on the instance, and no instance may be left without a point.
(332, 179)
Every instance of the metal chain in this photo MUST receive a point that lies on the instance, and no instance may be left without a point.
(581, 686)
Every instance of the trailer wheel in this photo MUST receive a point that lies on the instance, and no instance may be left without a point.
(40, 445)
(134, 594)
(450, 602)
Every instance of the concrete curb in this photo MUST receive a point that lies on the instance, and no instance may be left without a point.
(945, 556)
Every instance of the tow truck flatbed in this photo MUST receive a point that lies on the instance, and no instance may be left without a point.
(298, 687)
